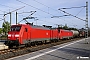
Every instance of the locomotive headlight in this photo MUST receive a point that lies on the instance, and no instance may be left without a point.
(16, 35)
(9, 35)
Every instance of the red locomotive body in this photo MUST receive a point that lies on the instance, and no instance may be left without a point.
(65, 34)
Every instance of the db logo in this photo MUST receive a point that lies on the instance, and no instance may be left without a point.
(46, 33)
(12, 35)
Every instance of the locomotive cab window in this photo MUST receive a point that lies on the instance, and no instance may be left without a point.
(15, 28)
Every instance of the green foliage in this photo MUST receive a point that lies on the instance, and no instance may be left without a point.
(6, 27)
(67, 28)
(1, 30)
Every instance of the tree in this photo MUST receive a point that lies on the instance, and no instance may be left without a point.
(5, 27)
(65, 27)
(0, 30)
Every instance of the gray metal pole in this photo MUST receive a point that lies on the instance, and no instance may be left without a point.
(10, 18)
(86, 23)
(16, 18)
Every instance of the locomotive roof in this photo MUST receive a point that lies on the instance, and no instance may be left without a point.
(39, 27)
(33, 26)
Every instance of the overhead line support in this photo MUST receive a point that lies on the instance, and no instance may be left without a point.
(73, 7)
(86, 24)
(71, 15)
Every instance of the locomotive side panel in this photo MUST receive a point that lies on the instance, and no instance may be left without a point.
(55, 34)
(39, 34)
(26, 34)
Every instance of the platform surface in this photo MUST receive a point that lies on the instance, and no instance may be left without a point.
(75, 50)
(3, 46)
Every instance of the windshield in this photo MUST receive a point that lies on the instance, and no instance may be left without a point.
(15, 28)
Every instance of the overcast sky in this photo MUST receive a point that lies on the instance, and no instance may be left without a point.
(45, 9)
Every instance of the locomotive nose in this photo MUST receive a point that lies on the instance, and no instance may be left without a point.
(13, 36)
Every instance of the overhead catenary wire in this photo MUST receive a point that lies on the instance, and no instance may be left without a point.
(6, 6)
(79, 12)
(34, 7)
(25, 12)
(28, 17)
(15, 10)
(71, 14)
(60, 8)
(57, 10)
(5, 13)
(2, 11)
(47, 6)
(1, 14)
(39, 20)
(47, 21)
(73, 7)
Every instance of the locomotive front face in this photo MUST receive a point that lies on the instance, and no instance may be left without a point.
(13, 34)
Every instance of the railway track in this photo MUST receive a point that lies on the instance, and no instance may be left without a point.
(4, 54)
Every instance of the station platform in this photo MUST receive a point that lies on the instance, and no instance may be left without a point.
(3, 46)
(75, 50)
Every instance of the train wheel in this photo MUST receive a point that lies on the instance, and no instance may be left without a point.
(28, 44)
(44, 42)
(68, 38)
(33, 43)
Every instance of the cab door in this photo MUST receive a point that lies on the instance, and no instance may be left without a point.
(25, 34)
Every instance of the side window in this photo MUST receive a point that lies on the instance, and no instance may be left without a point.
(26, 30)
